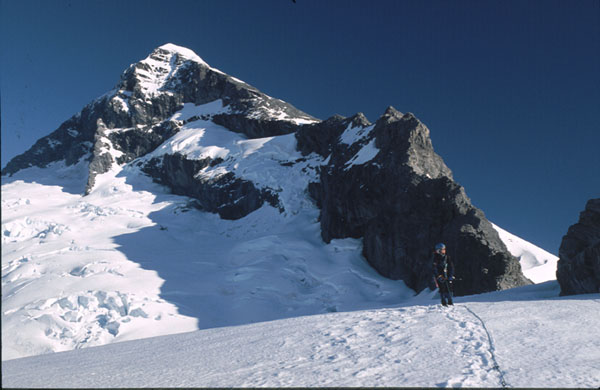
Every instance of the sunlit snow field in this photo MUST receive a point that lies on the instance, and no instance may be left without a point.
(260, 301)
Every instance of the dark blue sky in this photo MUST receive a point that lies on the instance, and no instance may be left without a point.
(509, 89)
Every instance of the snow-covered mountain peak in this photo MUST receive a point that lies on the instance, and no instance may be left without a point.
(183, 52)
(134, 117)
(158, 71)
(175, 72)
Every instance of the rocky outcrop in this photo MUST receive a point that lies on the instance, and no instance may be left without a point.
(321, 137)
(141, 141)
(578, 270)
(387, 185)
(71, 142)
(230, 197)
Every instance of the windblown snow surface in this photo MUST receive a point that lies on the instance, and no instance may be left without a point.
(168, 295)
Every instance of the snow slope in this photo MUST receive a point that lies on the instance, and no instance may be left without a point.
(526, 337)
(537, 264)
(130, 260)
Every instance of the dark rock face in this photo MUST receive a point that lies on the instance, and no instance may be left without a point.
(252, 127)
(321, 137)
(73, 140)
(139, 142)
(132, 143)
(403, 201)
(230, 197)
(578, 269)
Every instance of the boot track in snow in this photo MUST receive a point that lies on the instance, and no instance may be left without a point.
(477, 345)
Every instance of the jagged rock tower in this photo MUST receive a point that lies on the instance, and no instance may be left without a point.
(579, 254)
(402, 201)
(381, 182)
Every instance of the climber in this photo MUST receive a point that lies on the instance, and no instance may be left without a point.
(443, 273)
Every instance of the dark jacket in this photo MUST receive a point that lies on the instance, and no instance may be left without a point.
(442, 266)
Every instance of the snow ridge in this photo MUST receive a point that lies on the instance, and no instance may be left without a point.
(536, 263)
